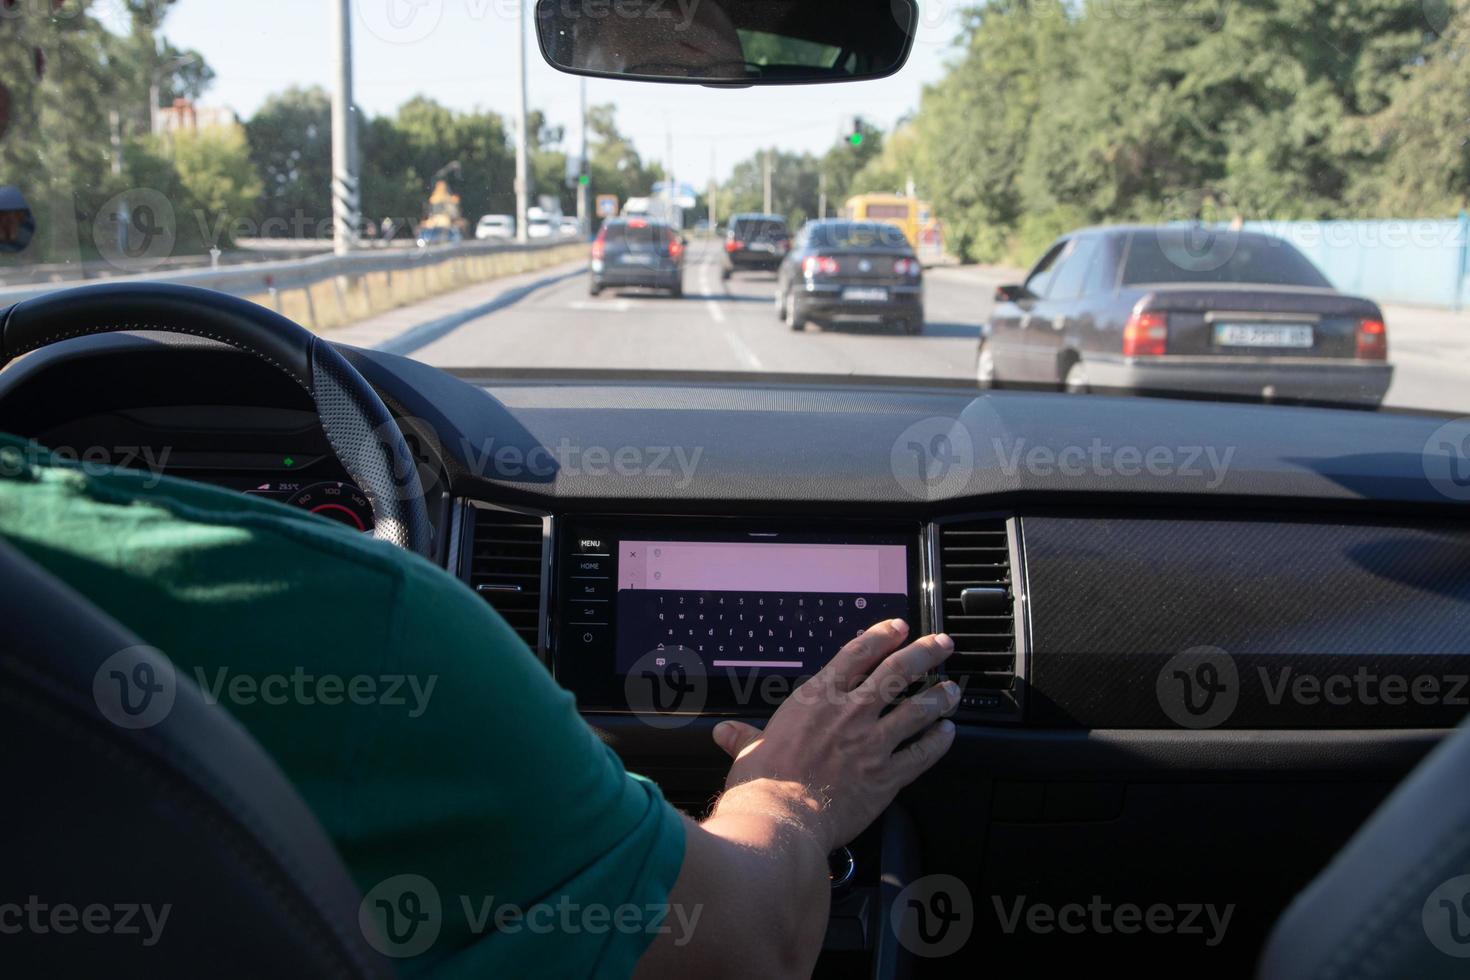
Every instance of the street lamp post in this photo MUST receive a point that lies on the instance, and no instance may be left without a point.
(346, 194)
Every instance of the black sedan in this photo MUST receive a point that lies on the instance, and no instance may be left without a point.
(842, 269)
(1178, 310)
(634, 253)
(755, 242)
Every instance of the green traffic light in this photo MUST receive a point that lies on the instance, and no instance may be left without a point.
(584, 180)
(856, 139)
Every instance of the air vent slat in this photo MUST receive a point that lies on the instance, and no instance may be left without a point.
(507, 549)
(970, 556)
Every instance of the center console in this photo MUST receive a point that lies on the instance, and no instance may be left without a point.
(676, 617)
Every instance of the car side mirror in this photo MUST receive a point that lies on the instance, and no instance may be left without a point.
(17, 223)
(1013, 294)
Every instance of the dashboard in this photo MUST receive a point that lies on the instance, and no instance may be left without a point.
(1190, 667)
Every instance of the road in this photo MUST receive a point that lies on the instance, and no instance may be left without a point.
(717, 326)
(531, 322)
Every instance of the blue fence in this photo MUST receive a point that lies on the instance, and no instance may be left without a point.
(1422, 263)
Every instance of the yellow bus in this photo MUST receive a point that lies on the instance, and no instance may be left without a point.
(913, 217)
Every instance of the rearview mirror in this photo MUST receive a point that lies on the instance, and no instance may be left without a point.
(1012, 294)
(728, 42)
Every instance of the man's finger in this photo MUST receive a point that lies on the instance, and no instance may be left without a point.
(861, 655)
(735, 737)
(893, 676)
(919, 756)
(913, 715)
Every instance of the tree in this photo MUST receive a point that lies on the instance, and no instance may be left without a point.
(613, 161)
(290, 138)
(218, 181)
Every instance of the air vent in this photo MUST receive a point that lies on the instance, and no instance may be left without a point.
(505, 568)
(976, 558)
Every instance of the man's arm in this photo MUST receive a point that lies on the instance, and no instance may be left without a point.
(752, 896)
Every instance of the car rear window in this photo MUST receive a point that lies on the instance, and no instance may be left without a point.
(859, 235)
(636, 233)
(759, 229)
(1217, 255)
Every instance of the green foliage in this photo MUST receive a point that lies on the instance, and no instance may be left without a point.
(797, 179)
(1058, 114)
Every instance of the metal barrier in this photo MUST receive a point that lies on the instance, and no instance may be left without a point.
(262, 278)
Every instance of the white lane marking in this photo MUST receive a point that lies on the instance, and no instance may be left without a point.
(707, 288)
(742, 350)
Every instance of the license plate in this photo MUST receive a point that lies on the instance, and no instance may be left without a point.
(762, 247)
(1294, 335)
(637, 259)
(865, 295)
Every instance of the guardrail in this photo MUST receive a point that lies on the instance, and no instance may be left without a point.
(271, 278)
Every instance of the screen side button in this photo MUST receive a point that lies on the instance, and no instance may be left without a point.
(599, 566)
(586, 638)
(589, 612)
(582, 589)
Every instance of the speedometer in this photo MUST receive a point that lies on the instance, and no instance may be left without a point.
(340, 502)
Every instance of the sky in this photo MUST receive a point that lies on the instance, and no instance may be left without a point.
(462, 53)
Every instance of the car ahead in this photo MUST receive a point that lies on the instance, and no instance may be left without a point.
(839, 269)
(495, 227)
(570, 228)
(636, 253)
(755, 242)
(1175, 309)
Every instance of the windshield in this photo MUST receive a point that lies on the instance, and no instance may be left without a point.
(1195, 199)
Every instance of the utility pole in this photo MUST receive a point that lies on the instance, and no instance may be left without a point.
(584, 183)
(714, 191)
(669, 190)
(822, 195)
(769, 203)
(523, 162)
(346, 194)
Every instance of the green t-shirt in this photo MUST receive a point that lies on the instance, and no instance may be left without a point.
(436, 750)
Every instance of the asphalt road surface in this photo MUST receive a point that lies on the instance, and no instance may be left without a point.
(717, 326)
(733, 327)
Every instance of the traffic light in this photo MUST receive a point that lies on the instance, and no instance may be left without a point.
(855, 134)
(856, 139)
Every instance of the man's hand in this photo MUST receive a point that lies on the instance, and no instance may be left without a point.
(831, 758)
(828, 763)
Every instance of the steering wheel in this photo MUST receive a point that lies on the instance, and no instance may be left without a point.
(362, 433)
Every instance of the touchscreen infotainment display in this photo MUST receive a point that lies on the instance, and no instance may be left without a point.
(766, 606)
(724, 601)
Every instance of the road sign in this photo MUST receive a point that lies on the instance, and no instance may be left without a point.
(607, 205)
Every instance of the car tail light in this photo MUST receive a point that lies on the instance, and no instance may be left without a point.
(637, 223)
(1372, 341)
(599, 245)
(819, 265)
(784, 245)
(732, 246)
(1146, 335)
(907, 267)
(676, 248)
